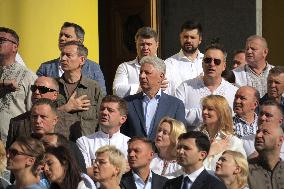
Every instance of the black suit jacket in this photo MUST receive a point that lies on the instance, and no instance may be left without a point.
(203, 181)
(127, 181)
(135, 123)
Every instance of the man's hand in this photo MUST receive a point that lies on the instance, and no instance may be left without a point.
(82, 103)
(11, 85)
(164, 84)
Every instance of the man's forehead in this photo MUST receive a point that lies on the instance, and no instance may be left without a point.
(68, 30)
(110, 105)
(214, 53)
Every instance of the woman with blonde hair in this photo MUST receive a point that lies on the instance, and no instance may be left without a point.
(218, 126)
(164, 162)
(232, 169)
(109, 166)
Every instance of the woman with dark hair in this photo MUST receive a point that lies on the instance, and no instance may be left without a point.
(25, 160)
(62, 170)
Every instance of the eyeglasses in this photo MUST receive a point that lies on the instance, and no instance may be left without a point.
(3, 40)
(41, 89)
(215, 60)
(13, 152)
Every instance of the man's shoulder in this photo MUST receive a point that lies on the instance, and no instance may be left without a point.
(159, 177)
(22, 117)
(89, 138)
(50, 62)
(172, 58)
(130, 98)
(130, 63)
(91, 63)
(239, 69)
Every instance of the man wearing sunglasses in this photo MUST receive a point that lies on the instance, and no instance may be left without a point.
(15, 81)
(187, 63)
(52, 68)
(67, 125)
(256, 71)
(192, 91)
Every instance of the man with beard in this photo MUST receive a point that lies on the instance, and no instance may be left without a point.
(187, 63)
(266, 170)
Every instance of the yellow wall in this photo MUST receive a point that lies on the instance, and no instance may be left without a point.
(38, 24)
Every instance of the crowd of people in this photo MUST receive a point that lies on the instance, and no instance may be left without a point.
(191, 121)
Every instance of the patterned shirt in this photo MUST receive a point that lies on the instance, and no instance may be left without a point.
(243, 128)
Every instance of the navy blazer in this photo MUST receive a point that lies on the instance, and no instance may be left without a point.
(90, 70)
(135, 123)
(127, 181)
(203, 181)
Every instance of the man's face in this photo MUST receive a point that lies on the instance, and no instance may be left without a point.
(189, 40)
(150, 78)
(43, 119)
(8, 45)
(65, 35)
(110, 116)
(239, 60)
(245, 101)
(139, 155)
(211, 68)
(44, 82)
(255, 51)
(188, 155)
(275, 86)
(70, 59)
(269, 114)
(146, 47)
(268, 138)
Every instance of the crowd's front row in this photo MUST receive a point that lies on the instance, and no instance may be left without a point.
(210, 158)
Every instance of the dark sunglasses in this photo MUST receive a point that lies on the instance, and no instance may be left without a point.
(13, 152)
(215, 60)
(41, 89)
(3, 39)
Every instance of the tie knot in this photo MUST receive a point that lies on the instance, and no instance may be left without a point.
(186, 180)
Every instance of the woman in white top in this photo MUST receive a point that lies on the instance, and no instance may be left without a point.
(218, 125)
(62, 170)
(164, 162)
(232, 169)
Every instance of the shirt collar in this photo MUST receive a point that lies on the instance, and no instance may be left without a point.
(137, 178)
(194, 175)
(106, 135)
(242, 120)
(157, 96)
(182, 56)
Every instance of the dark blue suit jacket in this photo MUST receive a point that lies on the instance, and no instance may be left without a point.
(127, 181)
(90, 70)
(135, 123)
(203, 181)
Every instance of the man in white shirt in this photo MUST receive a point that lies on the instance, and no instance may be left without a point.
(187, 63)
(192, 91)
(255, 72)
(112, 114)
(192, 149)
(126, 81)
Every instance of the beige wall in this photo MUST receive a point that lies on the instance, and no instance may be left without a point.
(273, 29)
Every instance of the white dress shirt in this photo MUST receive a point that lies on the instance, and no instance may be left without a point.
(192, 176)
(140, 183)
(89, 144)
(191, 93)
(126, 80)
(180, 68)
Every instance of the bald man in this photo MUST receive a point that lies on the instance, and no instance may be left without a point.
(44, 87)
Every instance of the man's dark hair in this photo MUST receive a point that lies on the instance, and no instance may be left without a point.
(81, 49)
(238, 52)
(201, 140)
(191, 25)
(122, 104)
(147, 33)
(272, 103)
(144, 140)
(216, 46)
(79, 31)
(46, 101)
(12, 32)
(277, 70)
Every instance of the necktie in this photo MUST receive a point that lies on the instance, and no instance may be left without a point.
(186, 181)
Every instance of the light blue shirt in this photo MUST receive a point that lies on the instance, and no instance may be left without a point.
(149, 109)
(192, 177)
(140, 183)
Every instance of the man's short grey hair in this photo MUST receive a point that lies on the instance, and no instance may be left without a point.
(262, 39)
(158, 63)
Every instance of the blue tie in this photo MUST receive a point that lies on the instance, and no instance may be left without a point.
(186, 181)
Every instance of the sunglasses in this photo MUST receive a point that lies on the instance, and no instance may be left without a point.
(3, 40)
(215, 60)
(41, 89)
(13, 152)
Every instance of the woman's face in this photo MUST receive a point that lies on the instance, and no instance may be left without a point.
(103, 169)
(163, 135)
(209, 115)
(53, 169)
(226, 166)
(17, 159)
